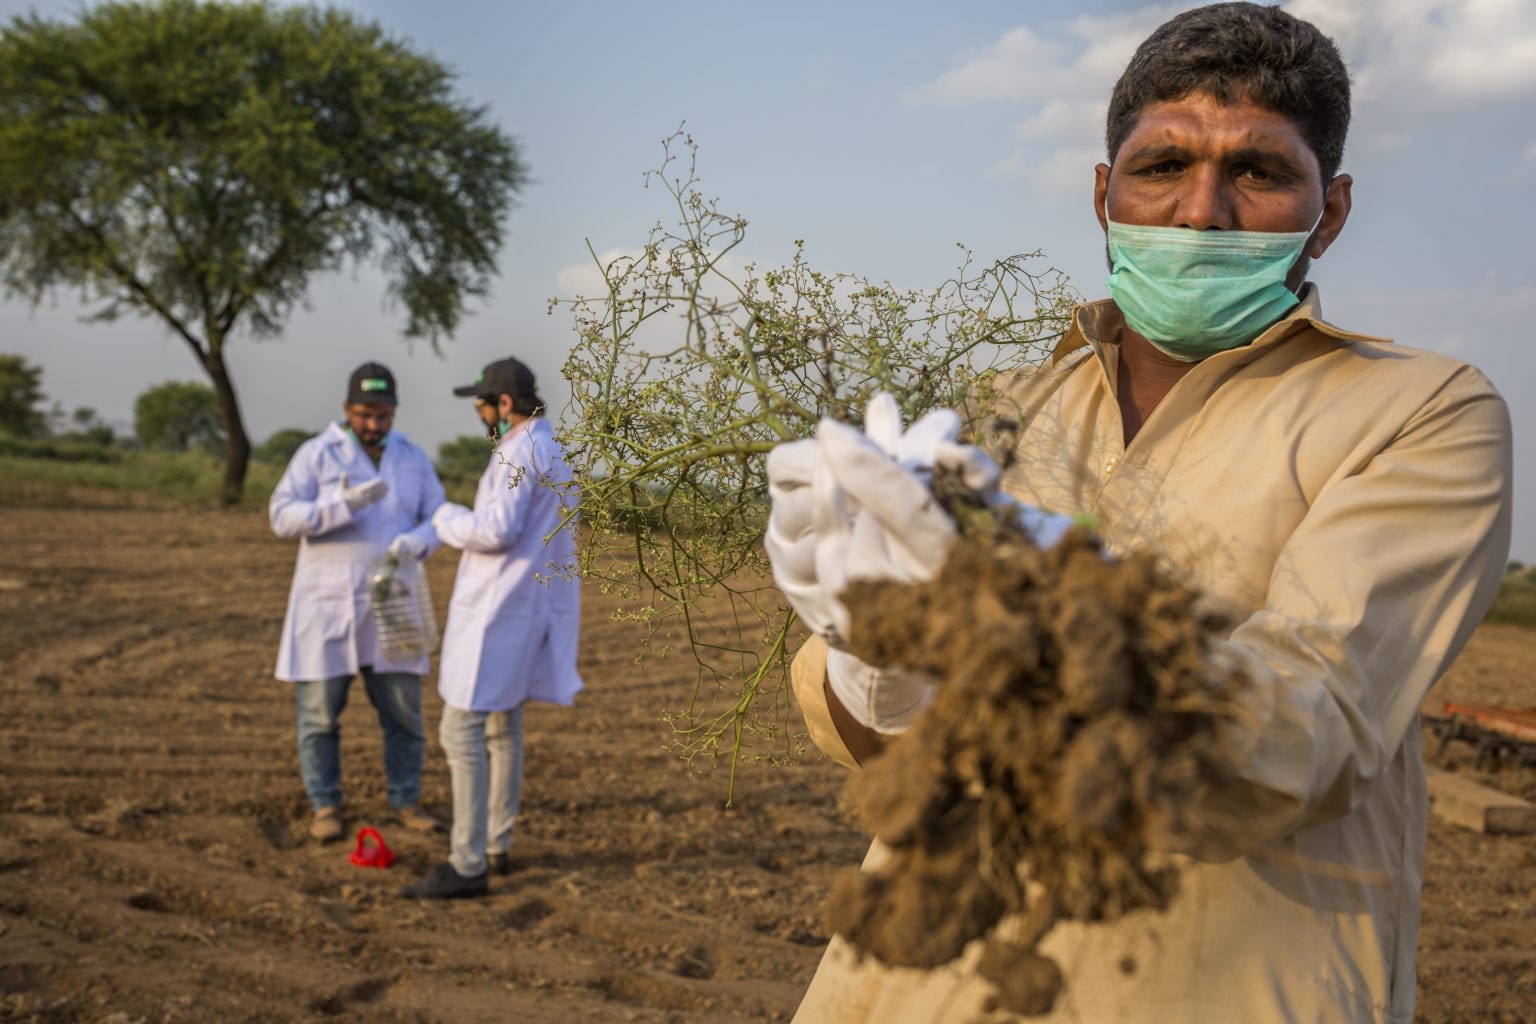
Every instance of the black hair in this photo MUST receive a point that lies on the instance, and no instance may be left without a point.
(1235, 52)
(527, 405)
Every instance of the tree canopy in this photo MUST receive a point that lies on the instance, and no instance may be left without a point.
(178, 416)
(281, 444)
(201, 163)
(20, 391)
(465, 456)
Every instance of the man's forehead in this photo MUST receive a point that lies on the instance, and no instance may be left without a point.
(1201, 121)
(1203, 112)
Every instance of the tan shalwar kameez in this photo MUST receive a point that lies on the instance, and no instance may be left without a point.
(1347, 502)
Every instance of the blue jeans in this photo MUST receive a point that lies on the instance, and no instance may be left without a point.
(396, 696)
(485, 768)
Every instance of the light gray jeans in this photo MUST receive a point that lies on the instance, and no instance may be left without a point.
(485, 768)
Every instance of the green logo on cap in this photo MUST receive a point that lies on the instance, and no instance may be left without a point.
(480, 377)
(375, 384)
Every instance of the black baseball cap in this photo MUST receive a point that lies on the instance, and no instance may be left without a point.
(371, 382)
(503, 377)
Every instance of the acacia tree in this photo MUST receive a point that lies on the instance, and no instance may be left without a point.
(178, 415)
(280, 445)
(201, 163)
(690, 366)
(20, 391)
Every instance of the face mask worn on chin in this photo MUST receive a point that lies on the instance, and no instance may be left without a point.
(1195, 293)
(381, 442)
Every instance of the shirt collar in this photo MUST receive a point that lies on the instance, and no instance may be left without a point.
(1097, 325)
(532, 425)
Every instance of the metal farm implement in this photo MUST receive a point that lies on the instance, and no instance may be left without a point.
(1498, 733)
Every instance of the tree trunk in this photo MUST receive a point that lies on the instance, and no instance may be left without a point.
(237, 447)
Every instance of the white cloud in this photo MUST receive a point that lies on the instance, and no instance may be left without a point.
(1061, 118)
(1061, 60)
(1068, 172)
(1061, 73)
(1388, 141)
(584, 290)
(1011, 69)
(1411, 60)
(1522, 169)
(585, 280)
(1436, 317)
(1446, 53)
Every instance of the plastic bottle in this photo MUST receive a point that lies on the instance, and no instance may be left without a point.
(402, 608)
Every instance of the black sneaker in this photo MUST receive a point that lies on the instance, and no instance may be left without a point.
(498, 863)
(444, 883)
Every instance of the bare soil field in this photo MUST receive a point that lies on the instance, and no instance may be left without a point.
(154, 864)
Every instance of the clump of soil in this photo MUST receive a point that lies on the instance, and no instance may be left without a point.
(1077, 719)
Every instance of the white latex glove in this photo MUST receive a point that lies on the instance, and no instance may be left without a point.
(813, 525)
(452, 522)
(807, 538)
(364, 494)
(905, 526)
(791, 538)
(408, 545)
(857, 505)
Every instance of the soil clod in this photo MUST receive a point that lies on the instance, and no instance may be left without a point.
(1076, 721)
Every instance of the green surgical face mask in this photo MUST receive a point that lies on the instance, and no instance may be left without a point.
(1195, 293)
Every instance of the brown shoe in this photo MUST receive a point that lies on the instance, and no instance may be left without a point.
(413, 817)
(326, 827)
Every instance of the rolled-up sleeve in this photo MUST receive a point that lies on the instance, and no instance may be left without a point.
(296, 508)
(808, 680)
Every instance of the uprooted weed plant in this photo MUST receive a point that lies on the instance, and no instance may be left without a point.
(692, 365)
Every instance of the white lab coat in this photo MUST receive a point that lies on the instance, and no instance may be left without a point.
(515, 614)
(329, 629)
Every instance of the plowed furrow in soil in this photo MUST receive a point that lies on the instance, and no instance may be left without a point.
(155, 866)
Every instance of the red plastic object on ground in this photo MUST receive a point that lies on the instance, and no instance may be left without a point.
(371, 855)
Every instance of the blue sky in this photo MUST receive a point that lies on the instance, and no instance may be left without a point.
(883, 134)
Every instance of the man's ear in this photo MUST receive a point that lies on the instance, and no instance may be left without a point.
(1101, 195)
(1336, 207)
(504, 407)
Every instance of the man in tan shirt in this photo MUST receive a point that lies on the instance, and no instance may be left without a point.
(1345, 500)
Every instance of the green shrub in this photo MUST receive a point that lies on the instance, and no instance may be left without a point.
(182, 478)
(1516, 600)
(459, 464)
(75, 448)
(280, 446)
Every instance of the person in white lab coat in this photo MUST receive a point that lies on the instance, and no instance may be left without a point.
(356, 491)
(513, 623)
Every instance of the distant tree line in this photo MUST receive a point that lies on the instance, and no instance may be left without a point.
(21, 415)
(175, 416)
